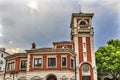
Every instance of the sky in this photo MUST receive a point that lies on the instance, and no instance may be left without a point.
(23, 22)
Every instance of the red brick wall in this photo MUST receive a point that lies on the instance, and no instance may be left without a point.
(80, 49)
(17, 64)
(80, 73)
(88, 47)
(58, 55)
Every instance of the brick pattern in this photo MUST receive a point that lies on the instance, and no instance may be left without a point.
(58, 57)
(88, 49)
(80, 48)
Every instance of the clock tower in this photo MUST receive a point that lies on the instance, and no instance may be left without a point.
(82, 35)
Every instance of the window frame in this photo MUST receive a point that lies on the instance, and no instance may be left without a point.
(48, 57)
(21, 63)
(1, 62)
(37, 57)
(10, 62)
(2, 55)
(0, 68)
(84, 45)
(63, 56)
(85, 54)
(72, 63)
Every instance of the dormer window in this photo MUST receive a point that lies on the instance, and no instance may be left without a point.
(64, 47)
(82, 23)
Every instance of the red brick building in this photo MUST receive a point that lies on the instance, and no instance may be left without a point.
(67, 60)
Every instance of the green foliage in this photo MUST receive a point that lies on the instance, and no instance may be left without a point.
(108, 58)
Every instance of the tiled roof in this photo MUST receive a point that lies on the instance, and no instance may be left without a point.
(16, 55)
(47, 50)
(5, 52)
(63, 42)
(83, 14)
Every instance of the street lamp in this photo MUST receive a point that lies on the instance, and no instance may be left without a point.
(13, 73)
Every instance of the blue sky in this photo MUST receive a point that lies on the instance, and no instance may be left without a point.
(45, 21)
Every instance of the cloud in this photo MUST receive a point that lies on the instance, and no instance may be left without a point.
(50, 21)
(15, 50)
(44, 26)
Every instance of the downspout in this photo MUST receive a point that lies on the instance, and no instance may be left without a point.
(5, 70)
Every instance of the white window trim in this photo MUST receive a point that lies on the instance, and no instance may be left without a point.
(51, 57)
(20, 64)
(83, 20)
(41, 62)
(61, 61)
(11, 62)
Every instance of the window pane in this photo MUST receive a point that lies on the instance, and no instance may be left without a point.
(84, 53)
(23, 64)
(1, 55)
(51, 62)
(11, 66)
(84, 45)
(71, 63)
(82, 23)
(37, 62)
(64, 61)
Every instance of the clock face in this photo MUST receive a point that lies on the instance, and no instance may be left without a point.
(85, 68)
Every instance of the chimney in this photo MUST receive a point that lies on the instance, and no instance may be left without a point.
(33, 46)
(3, 49)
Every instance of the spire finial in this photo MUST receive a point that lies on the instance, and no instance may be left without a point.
(80, 8)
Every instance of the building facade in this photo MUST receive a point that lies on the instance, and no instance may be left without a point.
(3, 54)
(67, 60)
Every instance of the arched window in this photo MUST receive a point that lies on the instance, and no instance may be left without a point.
(8, 79)
(82, 23)
(22, 78)
(64, 77)
(51, 77)
(36, 78)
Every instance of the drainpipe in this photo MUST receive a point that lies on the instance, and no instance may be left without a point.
(5, 70)
(75, 67)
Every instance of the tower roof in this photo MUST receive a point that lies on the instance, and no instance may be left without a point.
(63, 42)
(80, 15)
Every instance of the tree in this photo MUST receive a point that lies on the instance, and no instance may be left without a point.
(108, 59)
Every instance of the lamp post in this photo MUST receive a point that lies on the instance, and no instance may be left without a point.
(75, 66)
(13, 73)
